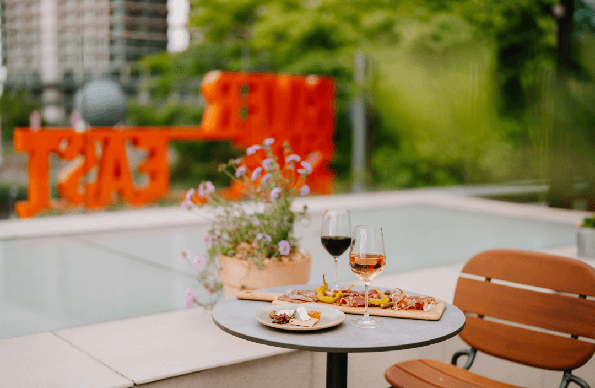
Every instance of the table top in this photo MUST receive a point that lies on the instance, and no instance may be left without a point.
(237, 317)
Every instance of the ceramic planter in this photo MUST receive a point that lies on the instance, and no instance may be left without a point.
(237, 275)
(586, 242)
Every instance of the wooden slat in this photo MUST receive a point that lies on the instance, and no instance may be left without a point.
(538, 349)
(534, 268)
(550, 311)
(431, 373)
(433, 376)
(398, 378)
(465, 375)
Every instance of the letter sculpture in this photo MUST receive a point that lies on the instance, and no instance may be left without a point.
(244, 108)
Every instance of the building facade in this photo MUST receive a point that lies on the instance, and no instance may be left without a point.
(52, 47)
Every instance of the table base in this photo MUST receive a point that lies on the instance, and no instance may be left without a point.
(336, 370)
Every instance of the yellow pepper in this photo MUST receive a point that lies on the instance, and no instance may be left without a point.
(327, 299)
(382, 300)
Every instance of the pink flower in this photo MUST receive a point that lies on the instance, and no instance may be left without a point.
(293, 158)
(305, 190)
(238, 161)
(307, 166)
(268, 238)
(190, 296)
(205, 238)
(189, 195)
(187, 205)
(198, 261)
(259, 236)
(209, 187)
(265, 178)
(201, 190)
(266, 162)
(269, 141)
(275, 193)
(284, 247)
(240, 171)
(185, 254)
(256, 173)
(252, 149)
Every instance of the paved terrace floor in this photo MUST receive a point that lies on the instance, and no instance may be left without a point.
(96, 300)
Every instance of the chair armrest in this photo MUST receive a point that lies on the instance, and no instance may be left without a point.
(569, 377)
(470, 353)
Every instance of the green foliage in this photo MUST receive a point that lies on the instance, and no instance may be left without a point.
(589, 222)
(15, 107)
(458, 93)
(437, 108)
(524, 35)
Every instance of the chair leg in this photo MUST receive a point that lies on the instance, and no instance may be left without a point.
(470, 353)
(569, 377)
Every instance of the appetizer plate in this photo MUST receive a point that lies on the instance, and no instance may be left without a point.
(329, 316)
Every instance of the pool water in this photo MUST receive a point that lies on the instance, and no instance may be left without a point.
(66, 281)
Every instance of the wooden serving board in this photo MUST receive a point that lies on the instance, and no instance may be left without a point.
(433, 314)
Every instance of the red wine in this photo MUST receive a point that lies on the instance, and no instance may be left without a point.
(335, 245)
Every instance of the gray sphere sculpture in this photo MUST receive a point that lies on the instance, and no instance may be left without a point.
(101, 103)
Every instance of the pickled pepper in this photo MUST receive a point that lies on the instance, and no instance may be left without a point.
(327, 299)
(379, 301)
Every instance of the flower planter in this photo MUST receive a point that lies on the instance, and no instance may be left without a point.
(586, 242)
(237, 275)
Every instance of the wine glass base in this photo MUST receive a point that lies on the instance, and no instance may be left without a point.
(365, 323)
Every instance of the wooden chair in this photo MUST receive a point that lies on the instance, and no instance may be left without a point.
(499, 316)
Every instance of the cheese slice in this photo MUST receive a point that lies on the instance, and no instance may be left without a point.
(309, 323)
(301, 314)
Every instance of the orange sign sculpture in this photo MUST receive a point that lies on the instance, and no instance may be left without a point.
(244, 108)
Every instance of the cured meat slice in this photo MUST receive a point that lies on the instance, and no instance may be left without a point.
(299, 296)
(407, 302)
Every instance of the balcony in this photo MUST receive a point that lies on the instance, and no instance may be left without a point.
(183, 347)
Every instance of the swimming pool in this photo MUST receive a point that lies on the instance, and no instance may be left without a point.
(57, 281)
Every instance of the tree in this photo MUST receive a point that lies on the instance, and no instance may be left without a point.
(15, 107)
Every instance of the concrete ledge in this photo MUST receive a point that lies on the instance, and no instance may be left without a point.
(176, 216)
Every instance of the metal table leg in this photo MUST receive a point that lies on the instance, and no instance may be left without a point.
(336, 370)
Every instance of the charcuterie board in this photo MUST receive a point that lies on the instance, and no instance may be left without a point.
(433, 314)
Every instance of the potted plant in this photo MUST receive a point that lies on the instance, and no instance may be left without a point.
(586, 238)
(251, 244)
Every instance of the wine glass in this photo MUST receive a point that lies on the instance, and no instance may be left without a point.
(335, 235)
(367, 259)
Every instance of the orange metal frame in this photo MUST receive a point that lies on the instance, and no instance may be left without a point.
(244, 108)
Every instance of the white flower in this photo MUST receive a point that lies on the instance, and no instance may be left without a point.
(269, 141)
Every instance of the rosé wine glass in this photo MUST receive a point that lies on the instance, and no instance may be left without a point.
(367, 259)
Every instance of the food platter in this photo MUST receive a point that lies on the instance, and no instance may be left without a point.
(329, 316)
(433, 314)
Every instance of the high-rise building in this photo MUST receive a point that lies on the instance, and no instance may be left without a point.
(52, 47)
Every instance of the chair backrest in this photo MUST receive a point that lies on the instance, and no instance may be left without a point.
(540, 325)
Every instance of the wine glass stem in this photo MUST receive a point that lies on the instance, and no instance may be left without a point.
(366, 316)
(336, 285)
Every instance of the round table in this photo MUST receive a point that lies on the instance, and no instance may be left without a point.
(237, 318)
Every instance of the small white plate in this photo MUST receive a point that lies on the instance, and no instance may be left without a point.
(329, 316)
